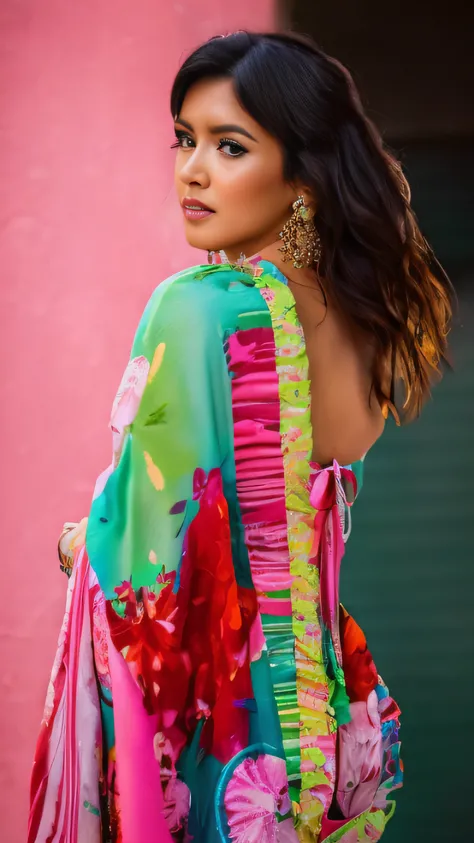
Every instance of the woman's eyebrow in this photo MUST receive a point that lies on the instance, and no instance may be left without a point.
(217, 130)
(231, 127)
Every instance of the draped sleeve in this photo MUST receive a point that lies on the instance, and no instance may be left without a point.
(167, 421)
(156, 624)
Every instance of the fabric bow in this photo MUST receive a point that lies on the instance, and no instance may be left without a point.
(334, 489)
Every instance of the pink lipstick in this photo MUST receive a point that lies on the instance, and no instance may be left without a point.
(193, 209)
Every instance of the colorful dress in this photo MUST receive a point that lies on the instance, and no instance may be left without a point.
(208, 685)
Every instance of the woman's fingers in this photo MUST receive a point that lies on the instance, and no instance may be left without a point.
(75, 537)
(80, 536)
(64, 544)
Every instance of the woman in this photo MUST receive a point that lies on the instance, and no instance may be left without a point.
(227, 695)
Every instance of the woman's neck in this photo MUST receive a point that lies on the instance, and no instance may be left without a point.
(305, 277)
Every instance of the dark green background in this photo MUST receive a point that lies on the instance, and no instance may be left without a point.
(408, 574)
(408, 578)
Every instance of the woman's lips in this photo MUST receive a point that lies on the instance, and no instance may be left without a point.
(193, 209)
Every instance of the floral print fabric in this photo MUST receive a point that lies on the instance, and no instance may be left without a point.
(225, 693)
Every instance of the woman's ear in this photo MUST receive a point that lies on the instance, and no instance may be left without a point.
(309, 199)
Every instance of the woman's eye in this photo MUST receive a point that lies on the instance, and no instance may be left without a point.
(183, 141)
(231, 148)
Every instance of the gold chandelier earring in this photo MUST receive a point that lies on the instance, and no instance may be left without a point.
(301, 241)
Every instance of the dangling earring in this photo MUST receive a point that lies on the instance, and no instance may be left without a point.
(301, 241)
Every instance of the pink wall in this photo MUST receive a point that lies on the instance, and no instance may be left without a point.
(88, 227)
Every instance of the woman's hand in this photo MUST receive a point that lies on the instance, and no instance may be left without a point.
(74, 538)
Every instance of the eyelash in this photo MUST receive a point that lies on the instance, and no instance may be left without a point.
(223, 142)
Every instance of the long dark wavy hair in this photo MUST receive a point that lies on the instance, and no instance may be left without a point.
(375, 262)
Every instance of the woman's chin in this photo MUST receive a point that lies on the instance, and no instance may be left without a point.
(210, 242)
(203, 243)
(199, 240)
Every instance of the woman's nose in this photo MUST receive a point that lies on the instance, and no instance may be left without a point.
(194, 170)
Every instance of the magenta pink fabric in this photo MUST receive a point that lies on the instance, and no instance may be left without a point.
(257, 443)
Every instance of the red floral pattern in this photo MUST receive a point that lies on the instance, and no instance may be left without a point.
(359, 669)
(189, 649)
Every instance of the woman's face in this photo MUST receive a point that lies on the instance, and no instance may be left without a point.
(228, 162)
